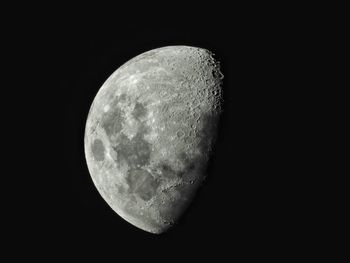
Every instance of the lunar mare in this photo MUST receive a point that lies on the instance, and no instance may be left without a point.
(150, 133)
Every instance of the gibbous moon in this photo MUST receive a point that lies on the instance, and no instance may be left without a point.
(150, 133)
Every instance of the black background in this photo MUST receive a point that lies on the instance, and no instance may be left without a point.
(247, 205)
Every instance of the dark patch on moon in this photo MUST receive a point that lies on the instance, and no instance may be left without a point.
(136, 151)
(166, 170)
(120, 188)
(142, 183)
(139, 111)
(122, 97)
(183, 157)
(98, 150)
(189, 164)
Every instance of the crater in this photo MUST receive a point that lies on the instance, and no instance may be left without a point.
(183, 157)
(180, 134)
(142, 183)
(217, 74)
(98, 150)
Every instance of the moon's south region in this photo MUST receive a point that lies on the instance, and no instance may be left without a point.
(150, 133)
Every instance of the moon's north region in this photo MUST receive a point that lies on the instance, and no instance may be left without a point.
(150, 133)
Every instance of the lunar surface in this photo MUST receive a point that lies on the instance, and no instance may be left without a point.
(150, 133)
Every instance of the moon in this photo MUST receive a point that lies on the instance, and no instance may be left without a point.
(150, 132)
